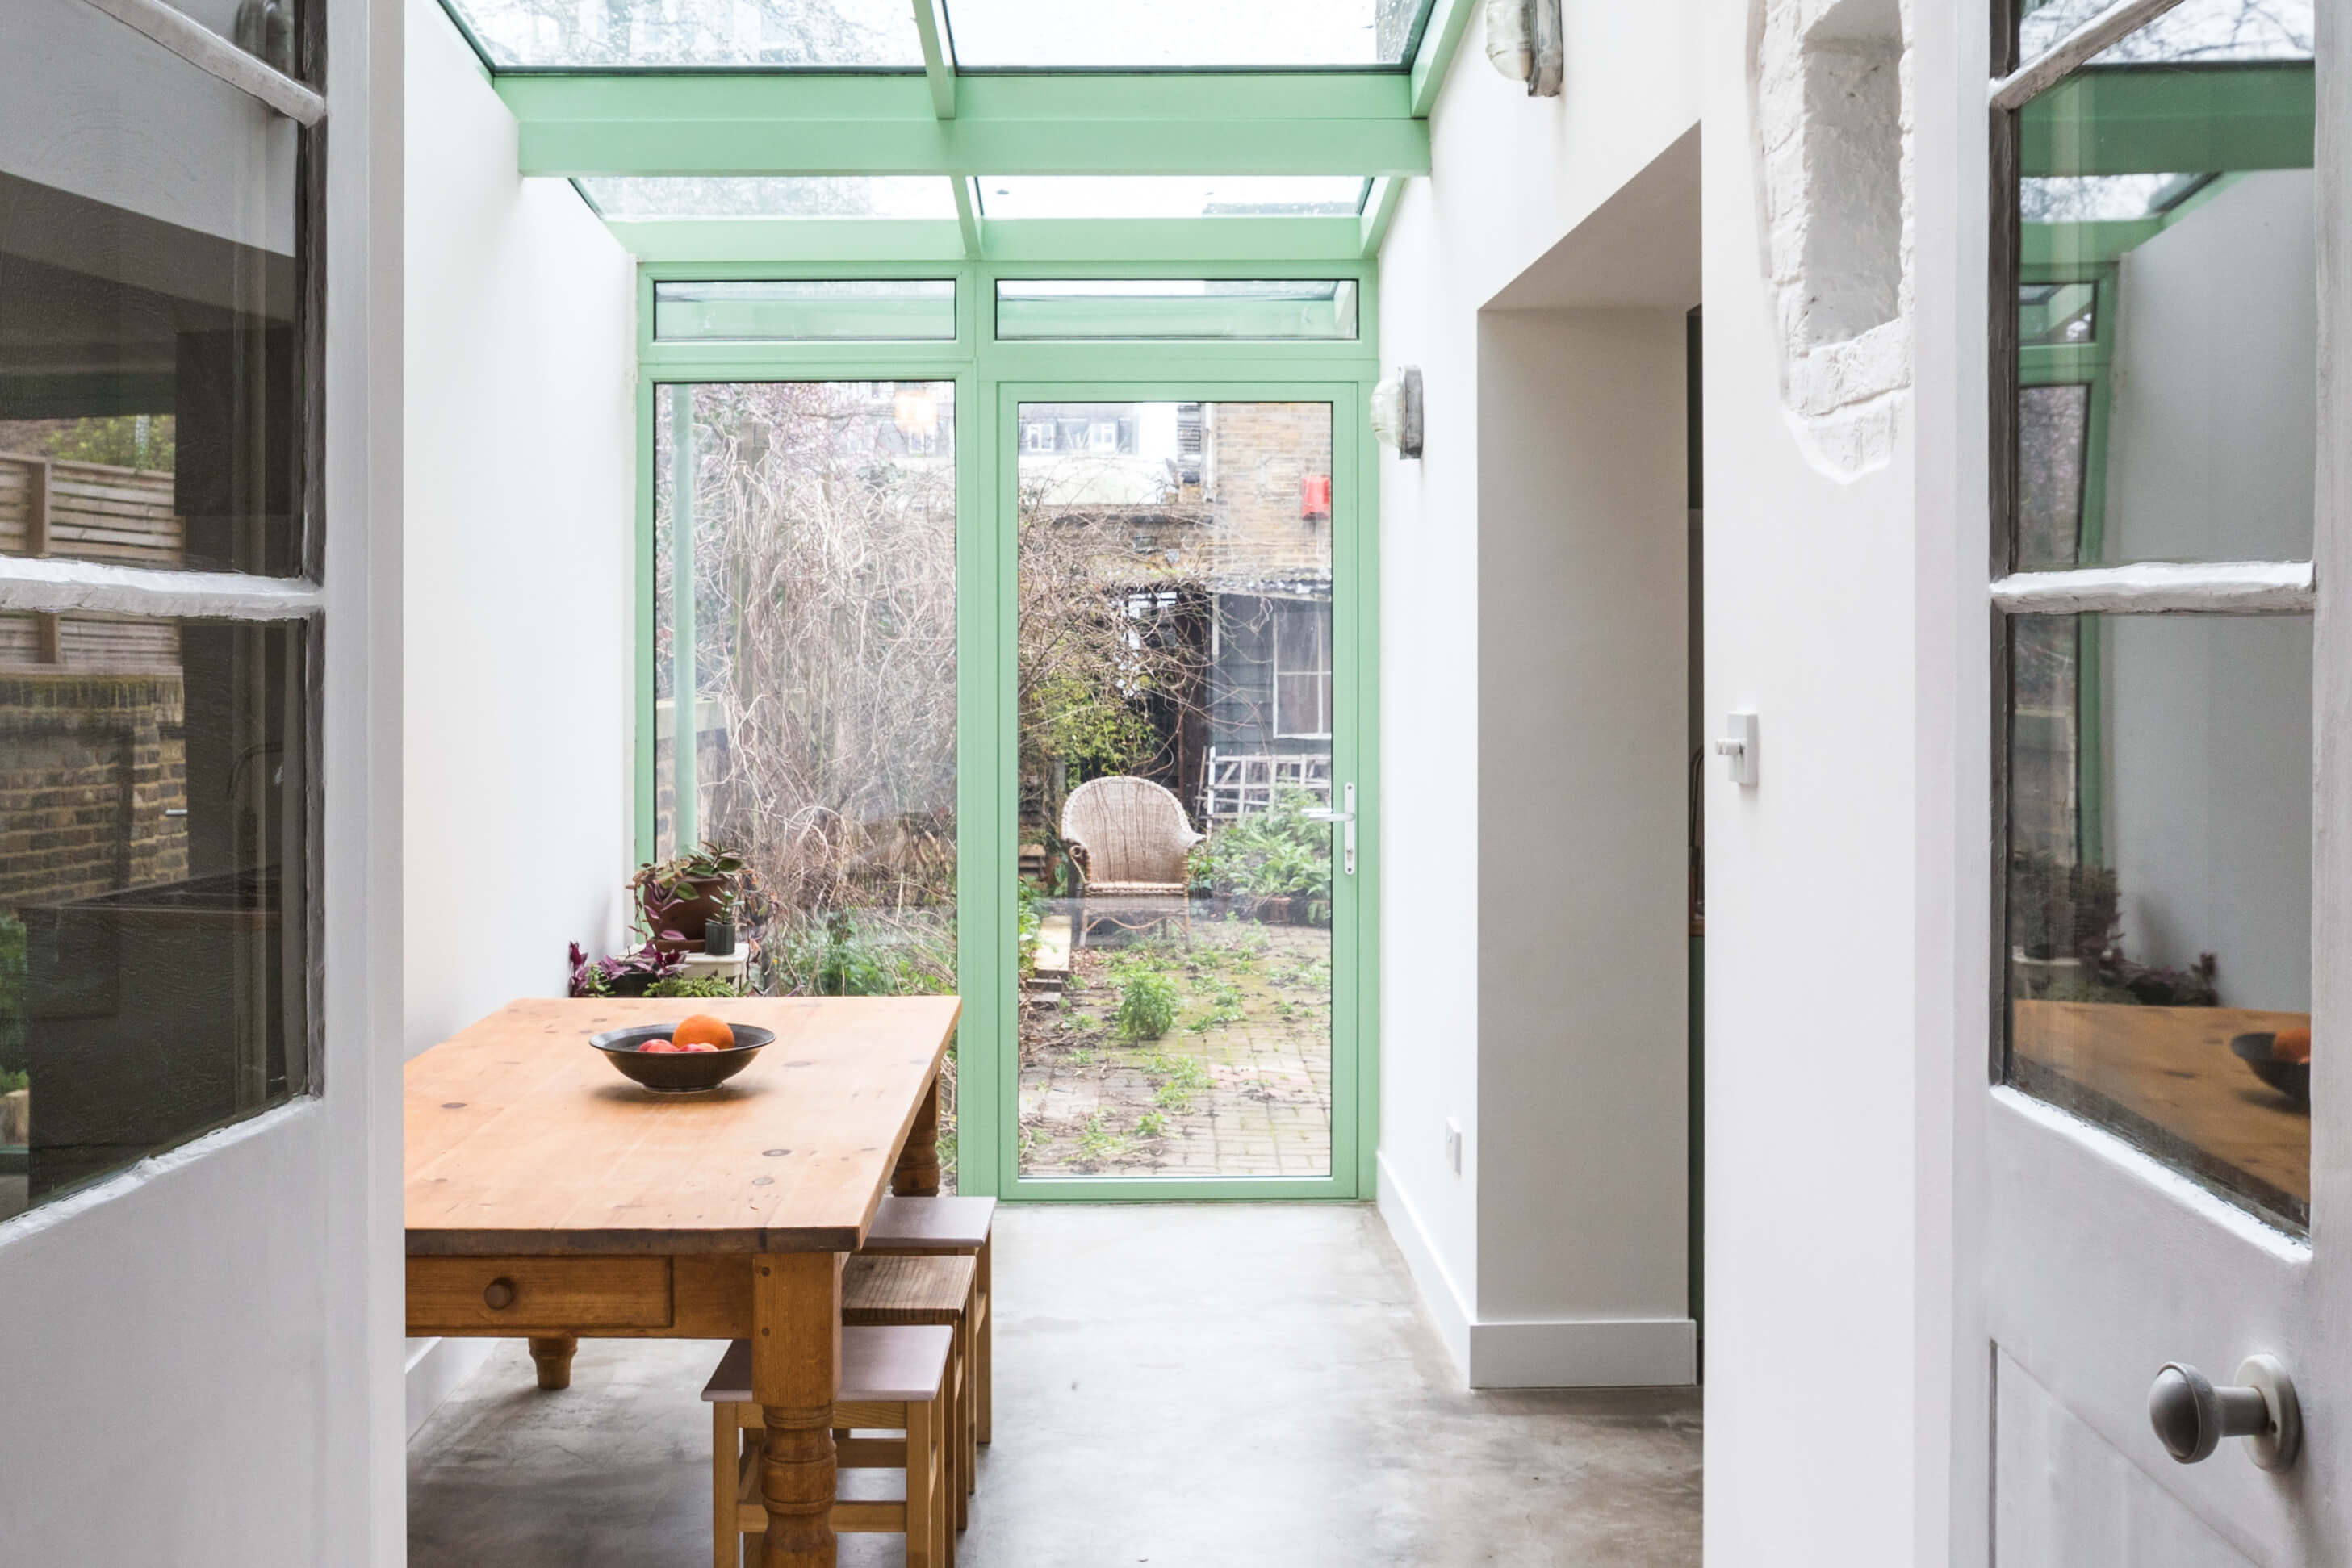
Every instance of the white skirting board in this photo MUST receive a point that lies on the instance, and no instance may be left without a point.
(1610, 1353)
(435, 1368)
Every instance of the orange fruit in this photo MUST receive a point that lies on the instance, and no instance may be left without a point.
(2291, 1045)
(704, 1029)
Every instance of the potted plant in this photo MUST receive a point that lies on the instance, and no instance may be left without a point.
(679, 897)
(719, 930)
(627, 975)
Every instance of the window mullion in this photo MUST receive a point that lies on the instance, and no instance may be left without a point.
(217, 57)
(52, 586)
(2092, 37)
(2154, 587)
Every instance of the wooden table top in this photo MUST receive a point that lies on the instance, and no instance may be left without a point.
(2172, 1067)
(523, 1140)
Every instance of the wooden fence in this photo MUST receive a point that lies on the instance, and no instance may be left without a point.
(95, 512)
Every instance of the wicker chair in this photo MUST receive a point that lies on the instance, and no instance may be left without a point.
(1129, 837)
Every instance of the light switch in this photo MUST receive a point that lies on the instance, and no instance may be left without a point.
(1737, 747)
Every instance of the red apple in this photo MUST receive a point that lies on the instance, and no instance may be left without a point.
(660, 1048)
(697, 1047)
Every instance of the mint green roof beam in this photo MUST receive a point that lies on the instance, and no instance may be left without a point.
(968, 218)
(1439, 44)
(1378, 212)
(2142, 119)
(1108, 124)
(852, 241)
(938, 69)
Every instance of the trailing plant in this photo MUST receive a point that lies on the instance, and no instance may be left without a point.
(709, 986)
(607, 977)
(709, 876)
(1147, 1005)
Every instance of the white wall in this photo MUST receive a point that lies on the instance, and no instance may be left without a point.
(1584, 915)
(1825, 1417)
(199, 1358)
(2212, 456)
(521, 473)
(1477, 1026)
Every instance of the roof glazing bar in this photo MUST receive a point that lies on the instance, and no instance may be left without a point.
(2092, 37)
(939, 66)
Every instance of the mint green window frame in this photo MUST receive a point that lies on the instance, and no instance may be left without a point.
(990, 380)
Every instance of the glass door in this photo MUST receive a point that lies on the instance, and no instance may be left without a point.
(803, 590)
(1183, 793)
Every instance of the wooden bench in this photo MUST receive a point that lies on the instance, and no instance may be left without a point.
(951, 1225)
(934, 1291)
(892, 1379)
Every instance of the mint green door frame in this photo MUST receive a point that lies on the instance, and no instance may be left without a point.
(991, 378)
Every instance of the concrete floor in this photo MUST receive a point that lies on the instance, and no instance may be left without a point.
(1193, 1386)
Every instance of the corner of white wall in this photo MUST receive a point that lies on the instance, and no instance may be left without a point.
(521, 353)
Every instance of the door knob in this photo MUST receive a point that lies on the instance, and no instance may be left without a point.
(2191, 1417)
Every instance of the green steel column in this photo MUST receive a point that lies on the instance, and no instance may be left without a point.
(685, 717)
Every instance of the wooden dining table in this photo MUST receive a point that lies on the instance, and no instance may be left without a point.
(550, 1199)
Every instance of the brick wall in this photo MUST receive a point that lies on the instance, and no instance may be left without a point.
(89, 766)
(1257, 459)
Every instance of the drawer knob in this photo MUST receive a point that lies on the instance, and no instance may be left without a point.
(499, 1295)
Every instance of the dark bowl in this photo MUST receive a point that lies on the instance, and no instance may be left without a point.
(685, 1071)
(2292, 1079)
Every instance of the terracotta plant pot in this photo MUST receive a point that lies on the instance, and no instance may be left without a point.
(702, 897)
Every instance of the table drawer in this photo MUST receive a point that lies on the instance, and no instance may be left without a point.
(458, 1295)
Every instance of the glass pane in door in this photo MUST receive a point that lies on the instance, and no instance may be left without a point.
(816, 523)
(1176, 718)
(2160, 886)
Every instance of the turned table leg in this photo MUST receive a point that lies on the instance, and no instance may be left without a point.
(553, 1354)
(918, 1172)
(795, 1372)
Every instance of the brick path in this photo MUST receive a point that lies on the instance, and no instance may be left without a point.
(1246, 1092)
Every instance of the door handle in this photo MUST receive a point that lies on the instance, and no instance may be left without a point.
(1346, 818)
(2191, 1417)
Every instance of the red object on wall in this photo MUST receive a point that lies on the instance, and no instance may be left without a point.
(1315, 497)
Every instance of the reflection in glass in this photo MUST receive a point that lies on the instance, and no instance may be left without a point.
(561, 35)
(1180, 309)
(771, 196)
(2166, 254)
(149, 386)
(2159, 888)
(1174, 34)
(2195, 30)
(880, 310)
(821, 633)
(1173, 196)
(1174, 675)
(153, 928)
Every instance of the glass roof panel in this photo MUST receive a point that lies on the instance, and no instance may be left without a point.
(1172, 196)
(669, 35)
(2105, 198)
(1177, 35)
(746, 196)
(2194, 30)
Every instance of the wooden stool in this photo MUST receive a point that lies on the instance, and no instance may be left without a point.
(936, 1292)
(953, 1226)
(893, 1379)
